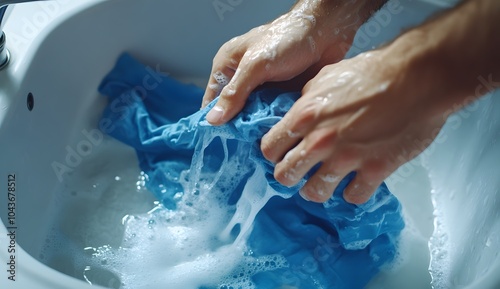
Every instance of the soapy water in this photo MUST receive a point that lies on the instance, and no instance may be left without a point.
(123, 238)
(217, 259)
(200, 181)
(200, 244)
(115, 233)
(222, 81)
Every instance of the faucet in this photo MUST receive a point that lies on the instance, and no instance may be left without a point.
(4, 52)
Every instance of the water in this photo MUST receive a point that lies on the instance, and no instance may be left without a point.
(411, 185)
(113, 233)
(110, 219)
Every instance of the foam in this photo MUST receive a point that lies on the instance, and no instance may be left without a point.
(183, 248)
(221, 79)
(302, 15)
(358, 245)
(329, 178)
(170, 248)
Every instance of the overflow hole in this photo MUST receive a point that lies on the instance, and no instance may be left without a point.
(30, 101)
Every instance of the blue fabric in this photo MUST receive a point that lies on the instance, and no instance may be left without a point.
(160, 118)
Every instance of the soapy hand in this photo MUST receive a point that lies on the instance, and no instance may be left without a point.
(274, 52)
(368, 114)
(374, 112)
(361, 115)
(294, 44)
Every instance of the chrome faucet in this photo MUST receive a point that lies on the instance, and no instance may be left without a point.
(4, 52)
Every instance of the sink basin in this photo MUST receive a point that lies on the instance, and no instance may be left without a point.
(63, 170)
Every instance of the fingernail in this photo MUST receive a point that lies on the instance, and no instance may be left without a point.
(215, 115)
(303, 195)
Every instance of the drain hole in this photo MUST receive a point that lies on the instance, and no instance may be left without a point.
(30, 101)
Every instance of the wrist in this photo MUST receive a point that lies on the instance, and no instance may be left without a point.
(419, 72)
(337, 24)
(448, 60)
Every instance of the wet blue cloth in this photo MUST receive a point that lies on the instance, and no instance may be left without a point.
(330, 245)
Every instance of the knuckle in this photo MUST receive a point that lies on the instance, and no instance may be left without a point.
(375, 171)
(347, 158)
(304, 115)
(308, 113)
(322, 140)
(232, 99)
(226, 48)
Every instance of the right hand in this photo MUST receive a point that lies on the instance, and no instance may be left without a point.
(369, 114)
(277, 51)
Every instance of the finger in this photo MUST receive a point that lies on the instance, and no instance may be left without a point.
(295, 165)
(320, 187)
(224, 65)
(317, 146)
(359, 190)
(218, 80)
(247, 77)
(301, 119)
(368, 178)
(280, 139)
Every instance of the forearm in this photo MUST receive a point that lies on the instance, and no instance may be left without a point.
(364, 8)
(454, 52)
(336, 21)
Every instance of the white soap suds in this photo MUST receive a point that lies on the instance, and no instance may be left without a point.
(202, 243)
(357, 245)
(221, 79)
(329, 178)
(292, 134)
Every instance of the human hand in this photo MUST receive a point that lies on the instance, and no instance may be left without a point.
(366, 114)
(299, 42)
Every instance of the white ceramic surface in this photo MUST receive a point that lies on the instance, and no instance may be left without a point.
(62, 49)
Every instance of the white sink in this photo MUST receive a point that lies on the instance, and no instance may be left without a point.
(62, 49)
